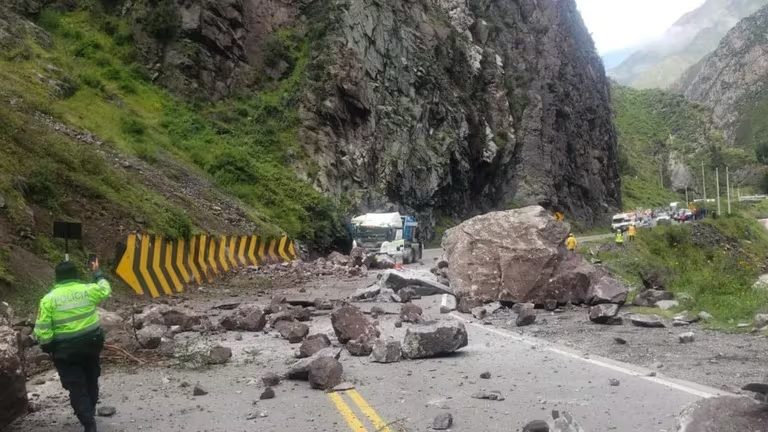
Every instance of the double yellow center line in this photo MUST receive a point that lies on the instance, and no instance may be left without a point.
(353, 421)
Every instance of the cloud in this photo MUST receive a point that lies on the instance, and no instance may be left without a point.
(620, 24)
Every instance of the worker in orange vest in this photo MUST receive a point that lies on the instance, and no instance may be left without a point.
(571, 243)
(632, 232)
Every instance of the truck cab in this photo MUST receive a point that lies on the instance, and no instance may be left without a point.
(388, 233)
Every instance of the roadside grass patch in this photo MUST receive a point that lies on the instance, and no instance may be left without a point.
(711, 267)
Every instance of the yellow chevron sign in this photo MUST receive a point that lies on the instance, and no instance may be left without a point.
(156, 266)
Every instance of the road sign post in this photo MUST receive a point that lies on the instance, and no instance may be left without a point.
(67, 231)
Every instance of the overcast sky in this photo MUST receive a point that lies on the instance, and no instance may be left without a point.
(620, 24)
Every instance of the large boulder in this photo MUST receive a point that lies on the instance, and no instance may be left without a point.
(325, 373)
(723, 414)
(649, 298)
(161, 314)
(430, 340)
(13, 390)
(313, 344)
(607, 290)
(603, 313)
(300, 369)
(349, 323)
(516, 256)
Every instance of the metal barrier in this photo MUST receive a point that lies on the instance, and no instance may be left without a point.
(154, 265)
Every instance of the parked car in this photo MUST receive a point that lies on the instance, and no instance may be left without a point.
(663, 219)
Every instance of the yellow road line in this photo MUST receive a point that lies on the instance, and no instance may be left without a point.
(346, 412)
(373, 416)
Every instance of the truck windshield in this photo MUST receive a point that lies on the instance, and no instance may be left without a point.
(372, 234)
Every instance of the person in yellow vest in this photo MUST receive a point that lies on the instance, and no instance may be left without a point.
(632, 232)
(571, 243)
(619, 238)
(68, 328)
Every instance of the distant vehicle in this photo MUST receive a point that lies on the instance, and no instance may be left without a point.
(645, 223)
(621, 221)
(663, 219)
(388, 233)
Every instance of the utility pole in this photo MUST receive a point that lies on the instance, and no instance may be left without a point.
(717, 189)
(704, 183)
(728, 186)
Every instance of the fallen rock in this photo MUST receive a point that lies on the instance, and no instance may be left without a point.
(270, 379)
(614, 382)
(301, 314)
(442, 421)
(603, 313)
(386, 352)
(620, 341)
(277, 318)
(325, 373)
(525, 317)
(300, 369)
(382, 261)
(150, 336)
(479, 312)
(430, 340)
(360, 347)
(485, 375)
(350, 323)
(489, 395)
(407, 294)
(377, 310)
(13, 391)
(761, 320)
(245, 317)
(219, 355)
(686, 337)
(667, 304)
(313, 344)
(550, 305)
(397, 281)
(165, 315)
(338, 259)
(653, 280)
(321, 304)
(366, 293)
(705, 316)
(111, 321)
(536, 426)
(723, 414)
(198, 390)
(448, 304)
(649, 298)
(466, 304)
(344, 387)
(357, 256)
(410, 313)
(646, 320)
(518, 307)
(564, 422)
(106, 411)
(607, 290)
(294, 332)
(268, 393)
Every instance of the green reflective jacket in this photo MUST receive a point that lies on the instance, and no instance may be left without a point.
(68, 311)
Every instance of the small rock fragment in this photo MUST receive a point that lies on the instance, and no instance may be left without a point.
(219, 355)
(313, 344)
(386, 352)
(106, 411)
(686, 337)
(620, 341)
(536, 426)
(525, 317)
(411, 313)
(485, 375)
(614, 382)
(442, 421)
(268, 393)
(270, 379)
(199, 390)
(491, 395)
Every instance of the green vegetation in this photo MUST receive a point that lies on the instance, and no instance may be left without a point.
(711, 266)
(656, 127)
(89, 77)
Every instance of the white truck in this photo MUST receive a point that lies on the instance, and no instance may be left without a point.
(388, 233)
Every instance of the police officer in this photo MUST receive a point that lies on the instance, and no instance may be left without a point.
(68, 328)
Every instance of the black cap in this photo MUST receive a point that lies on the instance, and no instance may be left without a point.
(66, 271)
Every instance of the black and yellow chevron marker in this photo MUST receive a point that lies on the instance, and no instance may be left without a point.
(156, 266)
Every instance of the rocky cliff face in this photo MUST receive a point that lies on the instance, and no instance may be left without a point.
(445, 108)
(463, 107)
(733, 81)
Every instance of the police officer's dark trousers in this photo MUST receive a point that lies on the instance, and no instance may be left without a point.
(79, 373)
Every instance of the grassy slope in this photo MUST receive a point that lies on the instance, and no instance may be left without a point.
(717, 278)
(245, 144)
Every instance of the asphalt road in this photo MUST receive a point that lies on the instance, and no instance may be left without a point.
(534, 377)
